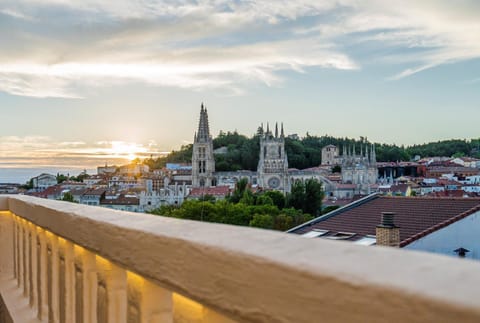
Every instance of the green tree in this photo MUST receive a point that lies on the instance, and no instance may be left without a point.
(296, 198)
(313, 197)
(264, 199)
(277, 197)
(247, 198)
(68, 197)
(240, 188)
(264, 221)
(61, 178)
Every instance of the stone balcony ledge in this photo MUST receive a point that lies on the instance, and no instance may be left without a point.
(204, 272)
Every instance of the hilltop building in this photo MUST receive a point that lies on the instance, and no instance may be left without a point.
(331, 156)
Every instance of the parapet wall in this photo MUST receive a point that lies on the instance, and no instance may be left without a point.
(76, 263)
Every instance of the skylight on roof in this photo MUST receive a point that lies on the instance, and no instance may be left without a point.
(315, 233)
(366, 241)
(341, 236)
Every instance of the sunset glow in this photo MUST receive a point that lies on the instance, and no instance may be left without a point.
(89, 82)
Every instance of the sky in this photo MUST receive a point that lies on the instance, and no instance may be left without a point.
(86, 81)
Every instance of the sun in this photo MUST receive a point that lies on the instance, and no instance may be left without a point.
(126, 150)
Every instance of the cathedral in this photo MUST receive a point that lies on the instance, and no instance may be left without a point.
(272, 171)
(273, 163)
(359, 172)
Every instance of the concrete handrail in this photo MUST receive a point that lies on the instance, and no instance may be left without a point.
(253, 275)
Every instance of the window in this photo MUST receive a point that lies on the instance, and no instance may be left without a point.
(367, 240)
(341, 236)
(315, 233)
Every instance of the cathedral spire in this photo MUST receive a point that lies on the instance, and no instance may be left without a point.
(374, 155)
(268, 128)
(276, 129)
(203, 133)
(282, 134)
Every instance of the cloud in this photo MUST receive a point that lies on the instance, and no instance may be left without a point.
(15, 14)
(44, 148)
(220, 44)
(198, 68)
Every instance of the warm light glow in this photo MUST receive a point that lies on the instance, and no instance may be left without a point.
(126, 150)
(135, 280)
(189, 309)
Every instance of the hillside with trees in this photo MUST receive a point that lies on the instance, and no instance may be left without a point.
(242, 152)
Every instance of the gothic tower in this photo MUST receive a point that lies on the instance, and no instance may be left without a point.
(203, 163)
(273, 163)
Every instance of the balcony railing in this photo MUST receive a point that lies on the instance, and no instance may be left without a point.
(64, 262)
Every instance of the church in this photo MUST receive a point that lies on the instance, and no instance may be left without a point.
(272, 170)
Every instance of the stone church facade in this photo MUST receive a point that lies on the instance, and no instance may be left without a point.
(273, 162)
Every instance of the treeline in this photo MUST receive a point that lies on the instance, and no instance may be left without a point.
(243, 152)
(268, 210)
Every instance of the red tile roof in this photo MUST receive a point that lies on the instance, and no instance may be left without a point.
(416, 216)
(214, 191)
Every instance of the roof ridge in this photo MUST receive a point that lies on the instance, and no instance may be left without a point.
(431, 197)
(440, 225)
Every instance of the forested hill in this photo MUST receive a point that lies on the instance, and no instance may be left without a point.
(242, 152)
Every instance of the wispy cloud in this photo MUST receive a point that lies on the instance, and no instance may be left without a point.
(32, 149)
(202, 67)
(219, 43)
(15, 14)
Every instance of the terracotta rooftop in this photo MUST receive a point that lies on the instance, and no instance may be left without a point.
(416, 216)
(96, 191)
(214, 191)
(121, 200)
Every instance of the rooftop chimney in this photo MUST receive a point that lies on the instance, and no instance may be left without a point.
(388, 234)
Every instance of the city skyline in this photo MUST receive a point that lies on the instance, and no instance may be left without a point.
(118, 79)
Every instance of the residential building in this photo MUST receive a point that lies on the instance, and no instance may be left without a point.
(106, 170)
(438, 225)
(43, 181)
(93, 196)
(217, 192)
(122, 202)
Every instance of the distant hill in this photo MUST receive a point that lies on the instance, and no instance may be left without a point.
(242, 152)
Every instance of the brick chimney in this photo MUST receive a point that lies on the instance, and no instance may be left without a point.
(388, 234)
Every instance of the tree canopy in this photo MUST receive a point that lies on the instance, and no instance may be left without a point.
(243, 152)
